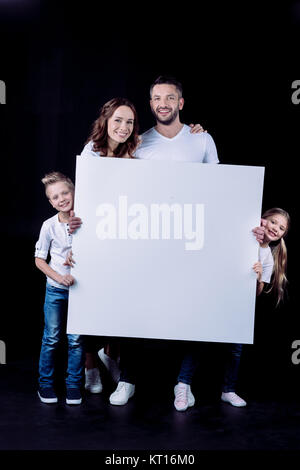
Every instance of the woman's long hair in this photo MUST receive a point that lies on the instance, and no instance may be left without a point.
(99, 134)
(279, 280)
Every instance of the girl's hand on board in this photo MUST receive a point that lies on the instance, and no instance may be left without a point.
(257, 267)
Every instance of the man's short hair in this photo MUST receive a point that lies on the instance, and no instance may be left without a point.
(167, 80)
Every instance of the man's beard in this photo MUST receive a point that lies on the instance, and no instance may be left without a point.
(168, 121)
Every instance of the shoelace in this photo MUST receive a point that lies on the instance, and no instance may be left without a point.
(181, 393)
(120, 386)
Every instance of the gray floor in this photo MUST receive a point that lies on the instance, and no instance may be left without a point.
(148, 422)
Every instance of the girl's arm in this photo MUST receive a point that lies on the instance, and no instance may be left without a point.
(66, 280)
(260, 285)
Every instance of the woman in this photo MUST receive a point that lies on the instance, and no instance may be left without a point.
(114, 134)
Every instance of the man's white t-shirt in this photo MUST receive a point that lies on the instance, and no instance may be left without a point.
(54, 239)
(267, 261)
(185, 147)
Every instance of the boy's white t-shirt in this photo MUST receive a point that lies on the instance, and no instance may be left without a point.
(185, 147)
(55, 239)
(267, 261)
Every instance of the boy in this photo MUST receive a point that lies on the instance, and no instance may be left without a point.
(55, 239)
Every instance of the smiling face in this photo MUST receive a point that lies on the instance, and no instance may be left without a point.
(120, 125)
(61, 196)
(275, 228)
(166, 103)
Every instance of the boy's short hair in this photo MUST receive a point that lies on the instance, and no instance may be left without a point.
(56, 177)
(167, 80)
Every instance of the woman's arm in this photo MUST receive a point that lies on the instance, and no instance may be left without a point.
(66, 280)
(196, 129)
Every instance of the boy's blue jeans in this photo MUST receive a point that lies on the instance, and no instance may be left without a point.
(55, 310)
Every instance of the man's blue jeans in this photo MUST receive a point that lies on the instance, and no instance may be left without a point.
(55, 310)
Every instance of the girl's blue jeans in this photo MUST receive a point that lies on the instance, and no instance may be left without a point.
(55, 311)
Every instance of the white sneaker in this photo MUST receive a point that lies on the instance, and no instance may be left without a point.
(93, 381)
(111, 365)
(183, 396)
(233, 399)
(123, 392)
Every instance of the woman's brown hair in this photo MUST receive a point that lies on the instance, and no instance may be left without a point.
(99, 134)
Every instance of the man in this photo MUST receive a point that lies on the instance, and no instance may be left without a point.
(170, 140)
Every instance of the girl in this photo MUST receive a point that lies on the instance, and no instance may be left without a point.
(271, 268)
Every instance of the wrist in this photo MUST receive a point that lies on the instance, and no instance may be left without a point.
(59, 278)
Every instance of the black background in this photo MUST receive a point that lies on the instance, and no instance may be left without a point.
(62, 60)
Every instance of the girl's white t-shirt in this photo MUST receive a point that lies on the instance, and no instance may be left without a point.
(267, 261)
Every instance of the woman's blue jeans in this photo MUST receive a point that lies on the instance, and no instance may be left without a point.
(55, 310)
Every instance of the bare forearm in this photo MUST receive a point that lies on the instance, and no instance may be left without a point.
(47, 270)
(65, 280)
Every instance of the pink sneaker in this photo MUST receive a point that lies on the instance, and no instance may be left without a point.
(183, 397)
(233, 399)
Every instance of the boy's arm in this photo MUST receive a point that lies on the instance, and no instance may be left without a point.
(74, 222)
(66, 280)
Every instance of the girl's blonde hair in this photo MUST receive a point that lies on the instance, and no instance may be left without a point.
(279, 280)
(57, 177)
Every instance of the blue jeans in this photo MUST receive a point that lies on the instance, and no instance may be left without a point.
(55, 310)
(189, 364)
(232, 367)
